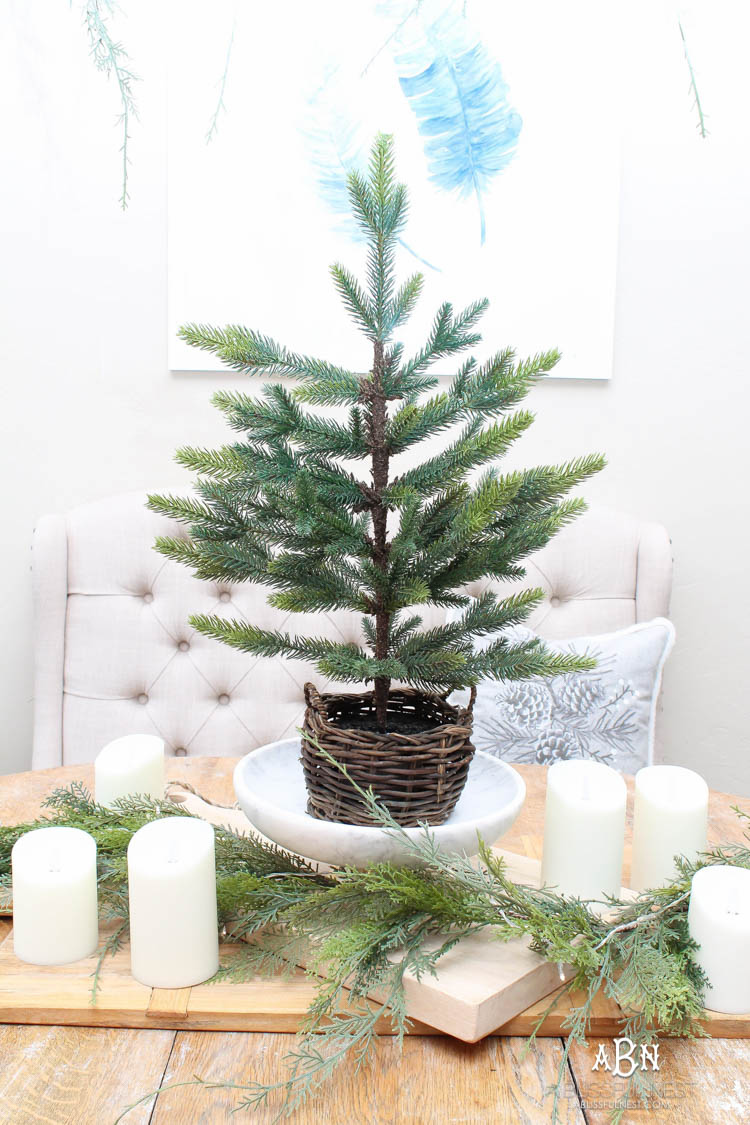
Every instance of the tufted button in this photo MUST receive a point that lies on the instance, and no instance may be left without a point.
(554, 601)
(223, 698)
(225, 596)
(148, 597)
(180, 752)
(183, 646)
(143, 698)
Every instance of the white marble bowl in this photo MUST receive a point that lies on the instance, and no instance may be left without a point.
(270, 788)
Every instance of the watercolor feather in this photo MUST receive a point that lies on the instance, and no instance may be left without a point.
(459, 98)
(336, 144)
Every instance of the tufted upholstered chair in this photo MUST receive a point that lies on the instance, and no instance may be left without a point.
(114, 653)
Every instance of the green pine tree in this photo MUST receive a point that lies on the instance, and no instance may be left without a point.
(280, 506)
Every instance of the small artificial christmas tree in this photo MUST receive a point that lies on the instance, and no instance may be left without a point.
(281, 508)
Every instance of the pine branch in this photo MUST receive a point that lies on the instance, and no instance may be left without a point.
(482, 392)
(449, 335)
(485, 615)
(111, 58)
(547, 483)
(475, 447)
(332, 585)
(248, 351)
(403, 303)
(502, 660)
(224, 463)
(332, 389)
(356, 302)
(344, 662)
(701, 123)
(185, 509)
(220, 107)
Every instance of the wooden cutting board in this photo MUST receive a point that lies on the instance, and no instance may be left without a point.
(62, 995)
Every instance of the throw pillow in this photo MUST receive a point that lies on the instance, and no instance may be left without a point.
(607, 714)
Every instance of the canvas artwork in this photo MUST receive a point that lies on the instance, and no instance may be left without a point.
(514, 194)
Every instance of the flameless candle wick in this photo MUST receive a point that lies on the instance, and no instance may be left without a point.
(733, 903)
(586, 787)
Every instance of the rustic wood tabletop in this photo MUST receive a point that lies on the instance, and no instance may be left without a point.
(86, 1076)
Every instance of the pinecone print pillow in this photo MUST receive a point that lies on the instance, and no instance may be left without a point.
(606, 714)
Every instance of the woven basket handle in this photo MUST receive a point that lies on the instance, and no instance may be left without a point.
(312, 697)
(469, 708)
(313, 700)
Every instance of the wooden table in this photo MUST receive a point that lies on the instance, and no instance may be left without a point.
(85, 1076)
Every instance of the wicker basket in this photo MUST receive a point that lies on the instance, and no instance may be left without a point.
(418, 777)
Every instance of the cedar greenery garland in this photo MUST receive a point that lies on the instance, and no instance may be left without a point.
(282, 508)
(350, 920)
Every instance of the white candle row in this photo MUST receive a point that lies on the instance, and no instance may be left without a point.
(583, 851)
(171, 881)
(174, 938)
(584, 826)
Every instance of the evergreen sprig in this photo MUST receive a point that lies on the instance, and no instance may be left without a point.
(111, 59)
(347, 923)
(283, 507)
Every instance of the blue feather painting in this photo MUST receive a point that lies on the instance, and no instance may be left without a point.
(454, 88)
(509, 161)
(458, 95)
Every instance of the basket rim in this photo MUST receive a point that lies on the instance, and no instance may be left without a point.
(460, 724)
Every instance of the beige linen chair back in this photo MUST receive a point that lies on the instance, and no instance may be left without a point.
(114, 653)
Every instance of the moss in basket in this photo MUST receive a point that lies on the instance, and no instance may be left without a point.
(396, 723)
(281, 506)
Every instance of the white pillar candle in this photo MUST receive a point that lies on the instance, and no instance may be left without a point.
(174, 939)
(719, 921)
(55, 917)
(129, 765)
(584, 829)
(670, 818)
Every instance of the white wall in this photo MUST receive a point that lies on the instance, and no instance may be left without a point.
(89, 407)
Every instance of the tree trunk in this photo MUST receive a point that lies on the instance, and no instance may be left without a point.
(379, 453)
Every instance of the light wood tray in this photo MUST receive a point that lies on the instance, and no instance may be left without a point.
(483, 986)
